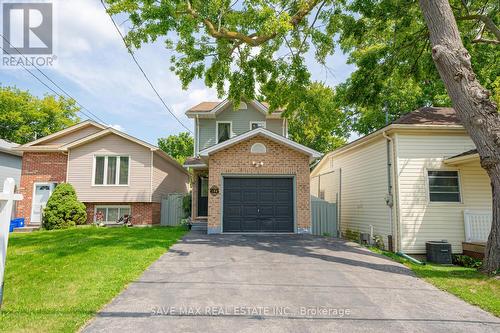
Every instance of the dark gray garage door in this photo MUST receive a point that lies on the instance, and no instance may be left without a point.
(258, 205)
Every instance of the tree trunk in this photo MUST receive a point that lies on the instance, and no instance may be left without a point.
(471, 101)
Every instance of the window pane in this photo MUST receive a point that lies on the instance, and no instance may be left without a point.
(445, 197)
(100, 214)
(124, 211)
(112, 215)
(223, 129)
(124, 170)
(111, 179)
(99, 170)
(204, 187)
(257, 125)
(444, 186)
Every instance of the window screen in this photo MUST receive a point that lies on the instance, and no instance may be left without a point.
(224, 131)
(444, 186)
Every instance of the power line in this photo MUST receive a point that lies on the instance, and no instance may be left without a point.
(54, 83)
(142, 70)
(45, 84)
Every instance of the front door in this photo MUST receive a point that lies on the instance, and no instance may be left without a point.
(41, 194)
(203, 196)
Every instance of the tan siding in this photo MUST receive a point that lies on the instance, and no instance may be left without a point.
(167, 179)
(73, 136)
(363, 187)
(421, 220)
(80, 171)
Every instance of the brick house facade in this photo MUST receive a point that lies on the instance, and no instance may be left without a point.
(278, 160)
(43, 167)
(71, 156)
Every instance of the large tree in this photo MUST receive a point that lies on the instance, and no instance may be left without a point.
(257, 48)
(24, 117)
(178, 146)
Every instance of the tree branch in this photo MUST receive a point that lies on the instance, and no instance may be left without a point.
(488, 23)
(251, 39)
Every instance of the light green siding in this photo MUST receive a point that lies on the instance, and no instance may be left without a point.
(240, 120)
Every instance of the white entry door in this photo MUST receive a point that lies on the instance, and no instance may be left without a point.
(41, 194)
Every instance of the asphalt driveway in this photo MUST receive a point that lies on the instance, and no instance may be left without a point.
(286, 283)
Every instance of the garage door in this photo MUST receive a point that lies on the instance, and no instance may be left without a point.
(258, 205)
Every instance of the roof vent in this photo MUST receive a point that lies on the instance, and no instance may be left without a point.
(243, 106)
(258, 148)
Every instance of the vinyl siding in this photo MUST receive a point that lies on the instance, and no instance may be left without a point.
(167, 179)
(80, 164)
(422, 220)
(240, 124)
(362, 187)
(10, 166)
(76, 135)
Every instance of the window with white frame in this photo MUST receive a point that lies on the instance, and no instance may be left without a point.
(111, 170)
(111, 214)
(257, 124)
(223, 131)
(444, 186)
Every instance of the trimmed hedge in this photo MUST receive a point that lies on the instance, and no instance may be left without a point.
(63, 209)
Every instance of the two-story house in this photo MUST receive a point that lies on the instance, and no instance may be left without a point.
(113, 173)
(247, 175)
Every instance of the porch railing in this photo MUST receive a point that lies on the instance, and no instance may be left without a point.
(477, 225)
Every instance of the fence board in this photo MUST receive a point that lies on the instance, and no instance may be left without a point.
(323, 217)
(171, 209)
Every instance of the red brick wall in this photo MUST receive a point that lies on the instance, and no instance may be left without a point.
(143, 213)
(39, 167)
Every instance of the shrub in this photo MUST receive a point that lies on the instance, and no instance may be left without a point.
(352, 235)
(466, 261)
(63, 209)
(186, 204)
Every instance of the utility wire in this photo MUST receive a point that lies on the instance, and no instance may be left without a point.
(142, 70)
(45, 84)
(54, 83)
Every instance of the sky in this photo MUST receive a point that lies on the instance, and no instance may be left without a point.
(94, 67)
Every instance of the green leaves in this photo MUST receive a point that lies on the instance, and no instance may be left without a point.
(179, 146)
(24, 117)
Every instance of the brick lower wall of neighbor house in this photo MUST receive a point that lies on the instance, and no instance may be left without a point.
(278, 160)
(39, 168)
(143, 213)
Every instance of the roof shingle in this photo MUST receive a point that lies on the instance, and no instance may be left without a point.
(430, 116)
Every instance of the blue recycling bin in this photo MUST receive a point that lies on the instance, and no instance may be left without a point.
(16, 223)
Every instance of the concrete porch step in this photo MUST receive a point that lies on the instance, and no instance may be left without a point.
(26, 229)
(199, 225)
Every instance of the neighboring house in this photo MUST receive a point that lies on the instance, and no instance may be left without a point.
(114, 174)
(10, 162)
(247, 175)
(422, 165)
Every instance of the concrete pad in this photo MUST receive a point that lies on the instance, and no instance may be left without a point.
(283, 283)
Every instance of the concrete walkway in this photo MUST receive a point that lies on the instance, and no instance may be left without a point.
(286, 283)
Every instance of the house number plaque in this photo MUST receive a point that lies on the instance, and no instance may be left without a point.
(214, 190)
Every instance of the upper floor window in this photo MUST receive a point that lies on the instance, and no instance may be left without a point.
(223, 131)
(257, 124)
(111, 170)
(444, 186)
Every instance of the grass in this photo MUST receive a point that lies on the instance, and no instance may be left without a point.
(468, 284)
(57, 280)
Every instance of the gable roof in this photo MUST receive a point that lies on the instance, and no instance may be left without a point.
(430, 116)
(211, 109)
(8, 148)
(313, 154)
(64, 132)
(89, 138)
(425, 118)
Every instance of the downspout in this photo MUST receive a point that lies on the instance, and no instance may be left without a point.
(197, 138)
(389, 199)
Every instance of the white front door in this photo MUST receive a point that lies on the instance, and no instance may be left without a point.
(41, 194)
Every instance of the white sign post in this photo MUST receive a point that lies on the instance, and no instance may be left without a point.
(7, 198)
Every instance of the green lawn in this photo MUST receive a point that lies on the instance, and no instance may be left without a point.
(57, 280)
(467, 283)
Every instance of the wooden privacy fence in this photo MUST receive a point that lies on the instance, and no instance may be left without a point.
(323, 217)
(171, 209)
